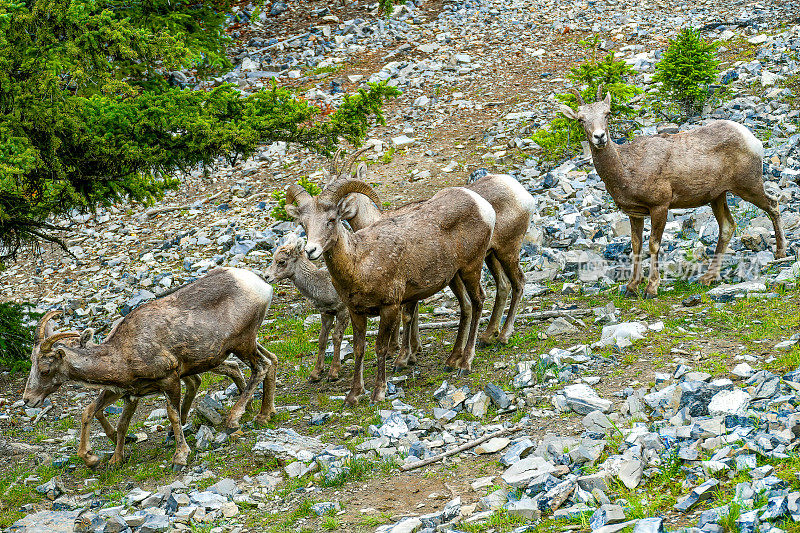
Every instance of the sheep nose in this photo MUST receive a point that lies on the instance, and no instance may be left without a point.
(313, 251)
(599, 137)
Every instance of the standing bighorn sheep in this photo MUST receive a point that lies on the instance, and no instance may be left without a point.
(654, 174)
(513, 206)
(156, 346)
(290, 262)
(397, 261)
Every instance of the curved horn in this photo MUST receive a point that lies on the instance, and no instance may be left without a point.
(334, 168)
(577, 93)
(295, 193)
(39, 334)
(347, 186)
(599, 92)
(48, 343)
(355, 156)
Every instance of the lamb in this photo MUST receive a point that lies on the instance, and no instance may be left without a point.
(290, 262)
(654, 174)
(513, 206)
(156, 346)
(397, 261)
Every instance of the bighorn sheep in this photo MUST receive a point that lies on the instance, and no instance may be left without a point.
(513, 206)
(290, 262)
(156, 346)
(398, 261)
(654, 174)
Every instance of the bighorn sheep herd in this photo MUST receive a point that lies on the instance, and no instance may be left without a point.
(382, 264)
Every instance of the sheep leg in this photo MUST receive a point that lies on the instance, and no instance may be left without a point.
(457, 285)
(514, 273)
(192, 384)
(404, 354)
(268, 396)
(658, 220)
(473, 289)
(637, 228)
(390, 316)
(108, 429)
(359, 322)
(105, 399)
(727, 226)
(770, 206)
(501, 295)
(232, 370)
(122, 430)
(259, 365)
(172, 391)
(414, 342)
(342, 319)
(322, 343)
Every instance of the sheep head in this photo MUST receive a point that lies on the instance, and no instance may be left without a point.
(285, 258)
(593, 118)
(48, 366)
(321, 216)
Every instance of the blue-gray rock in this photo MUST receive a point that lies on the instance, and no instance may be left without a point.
(155, 524)
(698, 494)
(649, 525)
(278, 8)
(225, 487)
(323, 508)
(46, 522)
(497, 395)
(748, 522)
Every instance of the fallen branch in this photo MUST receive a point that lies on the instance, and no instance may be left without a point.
(150, 213)
(541, 315)
(42, 413)
(463, 447)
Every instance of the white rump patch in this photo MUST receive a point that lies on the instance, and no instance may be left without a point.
(487, 212)
(252, 283)
(522, 196)
(752, 142)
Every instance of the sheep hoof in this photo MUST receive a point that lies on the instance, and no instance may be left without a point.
(627, 293)
(462, 372)
(483, 343)
(313, 378)
(650, 295)
(448, 368)
(92, 461)
(261, 420)
(178, 468)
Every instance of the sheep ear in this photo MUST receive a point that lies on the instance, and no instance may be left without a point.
(59, 353)
(568, 112)
(292, 210)
(361, 172)
(87, 336)
(348, 208)
(608, 99)
(299, 245)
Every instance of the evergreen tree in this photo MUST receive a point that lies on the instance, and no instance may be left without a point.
(87, 116)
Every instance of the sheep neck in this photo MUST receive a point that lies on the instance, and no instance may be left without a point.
(340, 258)
(609, 166)
(306, 279)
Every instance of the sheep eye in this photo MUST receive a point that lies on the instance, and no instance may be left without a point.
(330, 223)
(281, 262)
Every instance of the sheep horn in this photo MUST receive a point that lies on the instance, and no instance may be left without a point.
(355, 156)
(599, 92)
(347, 186)
(48, 343)
(39, 334)
(334, 162)
(577, 94)
(295, 193)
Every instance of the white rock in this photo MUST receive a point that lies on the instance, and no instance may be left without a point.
(521, 472)
(493, 445)
(583, 399)
(625, 331)
(402, 140)
(743, 371)
(560, 326)
(729, 402)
